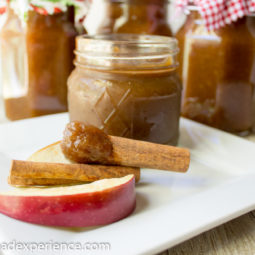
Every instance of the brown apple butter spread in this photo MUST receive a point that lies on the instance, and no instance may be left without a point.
(135, 16)
(37, 60)
(86, 144)
(218, 73)
(127, 85)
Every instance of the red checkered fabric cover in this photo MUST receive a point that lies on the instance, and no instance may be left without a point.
(218, 13)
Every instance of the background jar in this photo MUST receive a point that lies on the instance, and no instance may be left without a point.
(218, 73)
(134, 16)
(37, 58)
(127, 85)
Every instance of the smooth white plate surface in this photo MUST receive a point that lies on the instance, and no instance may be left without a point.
(171, 207)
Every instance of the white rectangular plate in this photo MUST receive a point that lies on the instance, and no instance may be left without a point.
(171, 207)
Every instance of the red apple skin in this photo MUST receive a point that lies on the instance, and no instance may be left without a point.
(79, 210)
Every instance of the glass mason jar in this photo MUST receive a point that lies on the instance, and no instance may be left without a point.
(218, 73)
(181, 34)
(37, 58)
(127, 85)
(135, 16)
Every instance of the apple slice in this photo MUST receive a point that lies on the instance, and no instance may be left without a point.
(51, 154)
(98, 203)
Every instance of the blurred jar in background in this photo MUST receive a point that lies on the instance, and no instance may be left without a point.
(3, 8)
(134, 16)
(218, 72)
(37, 46)
(181, 33)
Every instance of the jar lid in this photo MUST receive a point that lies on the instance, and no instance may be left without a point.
(218, 13)
(130, 51)
(3, 6)
(46, 7)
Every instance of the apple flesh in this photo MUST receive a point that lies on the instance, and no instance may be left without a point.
(98, 203)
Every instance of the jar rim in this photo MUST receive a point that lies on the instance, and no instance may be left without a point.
(123, 51)
(122, 44)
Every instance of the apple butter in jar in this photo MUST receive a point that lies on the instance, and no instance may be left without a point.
(135, 16)
(218, 72)
(127, 85)
(37, 44)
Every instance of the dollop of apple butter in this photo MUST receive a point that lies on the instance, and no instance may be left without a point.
(86, 144)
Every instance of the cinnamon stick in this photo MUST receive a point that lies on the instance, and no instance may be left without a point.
(87, 144)
(74, 172)
(128, 152)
